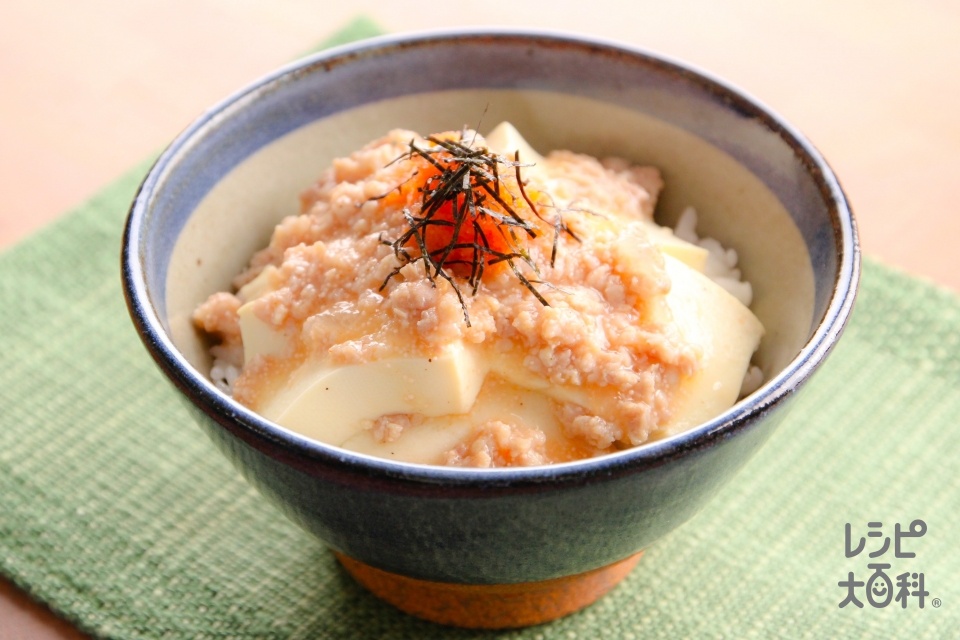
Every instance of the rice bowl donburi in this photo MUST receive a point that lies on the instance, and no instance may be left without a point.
(459, 299)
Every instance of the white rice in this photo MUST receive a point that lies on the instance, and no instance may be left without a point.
(721, 264)
(223, 374)
(721, 267)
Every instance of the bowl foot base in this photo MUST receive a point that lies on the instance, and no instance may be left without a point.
(489, 606)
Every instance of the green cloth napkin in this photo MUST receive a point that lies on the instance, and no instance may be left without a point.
(118, 513)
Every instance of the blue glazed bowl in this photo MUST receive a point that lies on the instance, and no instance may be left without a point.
(214, 195)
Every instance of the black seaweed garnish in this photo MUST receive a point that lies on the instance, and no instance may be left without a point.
(466, 220)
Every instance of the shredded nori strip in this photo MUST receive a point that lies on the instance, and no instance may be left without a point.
(468, 179)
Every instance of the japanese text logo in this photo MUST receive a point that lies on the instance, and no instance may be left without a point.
(885, 585)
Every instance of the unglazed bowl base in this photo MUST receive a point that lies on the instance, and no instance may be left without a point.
(490, 606)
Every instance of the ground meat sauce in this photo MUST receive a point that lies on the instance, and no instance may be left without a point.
(580, 304)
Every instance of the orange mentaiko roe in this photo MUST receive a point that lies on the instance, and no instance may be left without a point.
(469, 214)
(458, 249)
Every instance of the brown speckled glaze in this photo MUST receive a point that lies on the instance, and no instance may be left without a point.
(494, 606)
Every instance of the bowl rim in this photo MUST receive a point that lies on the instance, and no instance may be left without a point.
(310, 455)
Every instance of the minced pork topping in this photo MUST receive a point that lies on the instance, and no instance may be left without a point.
(535, 271)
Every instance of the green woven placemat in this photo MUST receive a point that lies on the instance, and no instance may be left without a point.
(119, 514)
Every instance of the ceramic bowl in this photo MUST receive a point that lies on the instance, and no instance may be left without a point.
(438, 541)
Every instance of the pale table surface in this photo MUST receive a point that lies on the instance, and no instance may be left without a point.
(91, 88)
